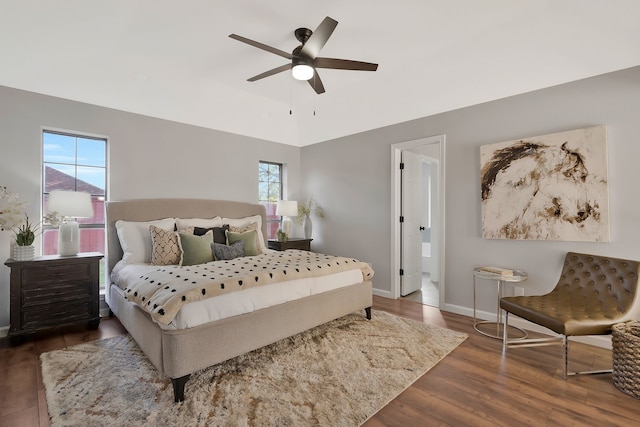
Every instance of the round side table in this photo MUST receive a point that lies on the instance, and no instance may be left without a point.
(480, 272)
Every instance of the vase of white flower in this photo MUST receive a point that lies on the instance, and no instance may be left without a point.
(304, 215)
(25, 235)
(12, 213)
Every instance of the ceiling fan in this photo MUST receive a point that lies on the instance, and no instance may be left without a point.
(305, 59)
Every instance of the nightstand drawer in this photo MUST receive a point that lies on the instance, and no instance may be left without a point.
(52, 314)
(54, 274)
(55, 293)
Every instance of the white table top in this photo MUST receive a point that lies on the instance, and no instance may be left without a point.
(518, 275)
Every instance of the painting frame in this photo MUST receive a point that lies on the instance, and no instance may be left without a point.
(547, 187)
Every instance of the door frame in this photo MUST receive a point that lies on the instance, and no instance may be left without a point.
(396, 191)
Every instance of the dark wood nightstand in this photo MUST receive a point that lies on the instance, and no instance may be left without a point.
(294, 243)
(52, 291)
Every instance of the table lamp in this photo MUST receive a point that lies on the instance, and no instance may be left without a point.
(287, 209)
(70, 205)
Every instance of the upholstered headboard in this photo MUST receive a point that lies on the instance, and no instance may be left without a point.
(152, 209)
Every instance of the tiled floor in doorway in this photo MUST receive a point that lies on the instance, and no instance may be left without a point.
(429, 294)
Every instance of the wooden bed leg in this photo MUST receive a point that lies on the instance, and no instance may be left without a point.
(178, 388)
(368, 312)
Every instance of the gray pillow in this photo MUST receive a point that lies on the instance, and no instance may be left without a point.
(224, 252)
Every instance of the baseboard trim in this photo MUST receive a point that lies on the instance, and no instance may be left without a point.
(381, 293)
(104, 307)
(4, 331)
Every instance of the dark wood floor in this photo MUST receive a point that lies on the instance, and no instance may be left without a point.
(473, 386)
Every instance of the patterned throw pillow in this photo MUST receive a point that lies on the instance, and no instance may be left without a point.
(165, 249)
(224, 252)
(248, 227)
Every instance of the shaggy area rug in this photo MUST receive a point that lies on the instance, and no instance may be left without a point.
(338, 374)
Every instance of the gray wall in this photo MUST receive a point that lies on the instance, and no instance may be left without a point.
(350, 177)
(148, 157)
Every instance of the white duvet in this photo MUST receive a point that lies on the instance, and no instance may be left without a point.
(240, 302)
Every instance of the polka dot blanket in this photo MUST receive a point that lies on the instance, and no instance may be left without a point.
(165, 290)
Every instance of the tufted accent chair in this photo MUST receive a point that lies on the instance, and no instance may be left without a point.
(594, 293)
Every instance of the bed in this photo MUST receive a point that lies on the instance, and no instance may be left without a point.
(276, 310)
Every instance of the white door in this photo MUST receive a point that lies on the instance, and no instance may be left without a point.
(411, 234)
(435, 213)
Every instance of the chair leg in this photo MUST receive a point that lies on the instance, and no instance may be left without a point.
(504, 332)
(565, 368)
(565, 352)
(534, 342)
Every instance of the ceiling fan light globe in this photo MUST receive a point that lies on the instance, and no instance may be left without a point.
(302, 71)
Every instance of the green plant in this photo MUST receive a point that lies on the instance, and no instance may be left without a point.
(25, 234)
(282, 236)
(305, 210)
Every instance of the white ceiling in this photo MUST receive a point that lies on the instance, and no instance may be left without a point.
(174, 59)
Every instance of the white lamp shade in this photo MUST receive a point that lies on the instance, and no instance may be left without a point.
(287, 208)
(73, 204)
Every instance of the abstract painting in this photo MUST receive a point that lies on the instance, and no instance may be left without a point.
(549, 187)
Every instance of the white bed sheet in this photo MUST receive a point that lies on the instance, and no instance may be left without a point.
(241, 302)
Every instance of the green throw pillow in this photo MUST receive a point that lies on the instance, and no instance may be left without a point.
(248, 238)
(196, 249)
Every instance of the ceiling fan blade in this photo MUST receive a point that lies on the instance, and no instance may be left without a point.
(344, 64)
(316, 83)
(270, 72)
(319, 38)
(261, 46)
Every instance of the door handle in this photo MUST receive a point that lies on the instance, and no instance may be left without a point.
(421, 228)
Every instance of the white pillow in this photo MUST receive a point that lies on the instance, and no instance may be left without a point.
(183, 223)
(239, 222)
(135, 238)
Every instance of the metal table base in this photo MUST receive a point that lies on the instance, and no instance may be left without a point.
(518, 276)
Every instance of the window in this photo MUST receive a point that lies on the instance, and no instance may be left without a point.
(269, 192)
(76, 163)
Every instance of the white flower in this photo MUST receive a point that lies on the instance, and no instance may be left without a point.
(13, 217)
(11, 210)
(53, 218)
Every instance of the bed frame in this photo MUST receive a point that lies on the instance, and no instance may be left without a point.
(179, 353)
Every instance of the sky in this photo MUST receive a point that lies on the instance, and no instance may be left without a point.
(82, 157)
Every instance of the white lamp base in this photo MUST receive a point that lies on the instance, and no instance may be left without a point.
(68, 238)
(286, 225)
